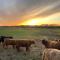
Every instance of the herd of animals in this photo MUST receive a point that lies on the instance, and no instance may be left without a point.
(8, 40)
(54, 44)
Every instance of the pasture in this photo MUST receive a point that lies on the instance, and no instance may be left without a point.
(31, 33)
(36, 50)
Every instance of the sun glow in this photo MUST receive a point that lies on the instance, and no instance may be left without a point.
(33, 21)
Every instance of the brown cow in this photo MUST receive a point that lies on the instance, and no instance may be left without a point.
(19, 43)
(24, 43)
(8, 42)
(51, 44)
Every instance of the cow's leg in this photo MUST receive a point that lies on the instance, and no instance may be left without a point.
(5, 45)
(27, 48)
(13, 46)
(17, 47)
(1, 43)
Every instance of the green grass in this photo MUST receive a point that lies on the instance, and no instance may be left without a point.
(31, 32)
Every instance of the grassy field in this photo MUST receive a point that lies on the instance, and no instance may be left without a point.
(27, 33)
(33, 33)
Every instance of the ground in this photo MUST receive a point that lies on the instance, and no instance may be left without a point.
(36, 50)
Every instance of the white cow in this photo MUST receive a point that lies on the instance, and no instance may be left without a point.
(51, 54)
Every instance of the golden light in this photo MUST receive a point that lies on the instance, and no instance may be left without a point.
(33, 21)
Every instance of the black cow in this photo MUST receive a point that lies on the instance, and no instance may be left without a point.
(2, 38)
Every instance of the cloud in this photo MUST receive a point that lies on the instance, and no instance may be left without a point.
(19, 10)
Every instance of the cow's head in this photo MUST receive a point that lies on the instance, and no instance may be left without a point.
(9, 37)
(44, 42)
(32, 42)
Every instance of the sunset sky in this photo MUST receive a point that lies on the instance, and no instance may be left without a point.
(29, 12)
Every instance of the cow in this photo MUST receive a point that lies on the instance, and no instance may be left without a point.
(19, 43)
(51, 54)
(8, 42)
(24, 43)
(51, 44)
(2, 38)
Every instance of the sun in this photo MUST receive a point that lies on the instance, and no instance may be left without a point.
(32, 22)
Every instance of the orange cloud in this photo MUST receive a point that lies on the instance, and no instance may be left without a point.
(51, 19)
